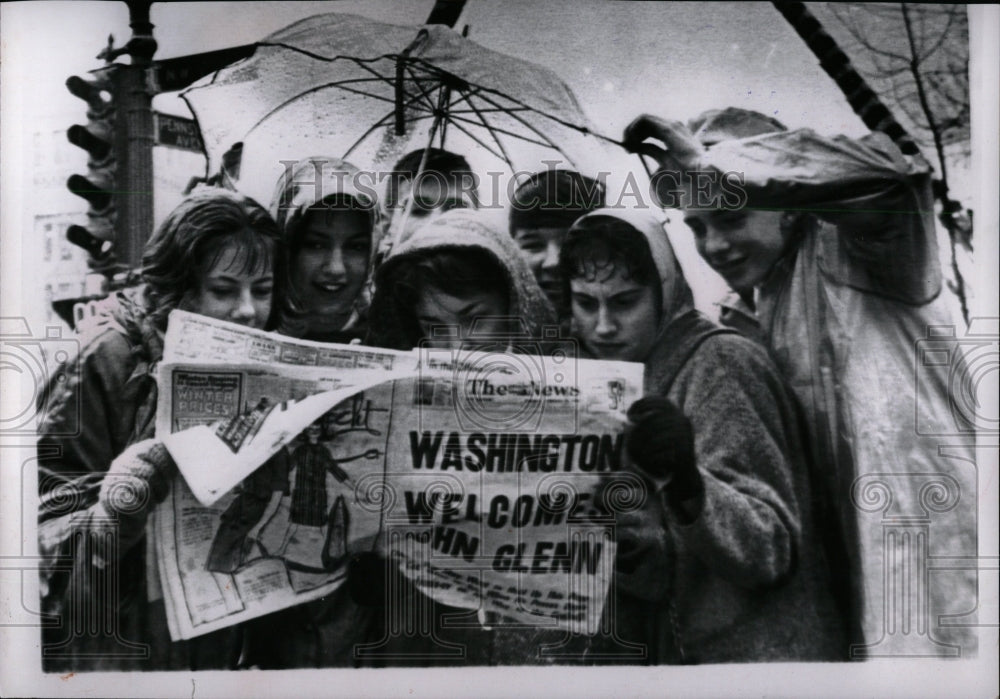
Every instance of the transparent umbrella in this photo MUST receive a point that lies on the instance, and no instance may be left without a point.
(367, 92)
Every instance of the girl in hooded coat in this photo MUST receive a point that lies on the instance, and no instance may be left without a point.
(462, 254)
(457, 282)
(100, 472)
(722, 564)
(329, 216)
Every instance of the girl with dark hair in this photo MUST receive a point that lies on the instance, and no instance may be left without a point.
(458, 281)
(101, 473)
(722, 563)
(433, 281)
(214, 233)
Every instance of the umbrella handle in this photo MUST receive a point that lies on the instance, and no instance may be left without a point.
(399, 222)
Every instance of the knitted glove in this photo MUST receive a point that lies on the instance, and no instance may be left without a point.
(661, 444)
(138, 480)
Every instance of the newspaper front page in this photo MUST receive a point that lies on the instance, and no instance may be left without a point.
(482, 475)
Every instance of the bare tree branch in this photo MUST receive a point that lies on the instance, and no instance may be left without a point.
(948, 207)
(861, 39)
(916, 56)
(935, 45)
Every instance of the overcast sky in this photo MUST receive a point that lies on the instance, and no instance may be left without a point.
(674, 59)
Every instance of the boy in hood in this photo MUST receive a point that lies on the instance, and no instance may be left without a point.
(833, 246)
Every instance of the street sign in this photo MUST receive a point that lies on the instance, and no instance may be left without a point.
(172, 74)
(177, 132)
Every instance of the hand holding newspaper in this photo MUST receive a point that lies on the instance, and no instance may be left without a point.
(477, 473)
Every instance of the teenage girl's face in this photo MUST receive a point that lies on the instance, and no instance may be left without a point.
(230, 290)
(615, 317)
(330, 265)
(454, 322)
(742, 246)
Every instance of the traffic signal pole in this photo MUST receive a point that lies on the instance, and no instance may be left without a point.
(134, 175)
(97, 187)
(118, 139)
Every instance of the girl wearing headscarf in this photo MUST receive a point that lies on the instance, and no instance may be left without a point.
(329, 214)
(722, 563)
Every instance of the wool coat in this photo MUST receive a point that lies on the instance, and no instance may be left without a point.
(747, 580)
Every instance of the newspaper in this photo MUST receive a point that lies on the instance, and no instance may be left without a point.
(482, 475)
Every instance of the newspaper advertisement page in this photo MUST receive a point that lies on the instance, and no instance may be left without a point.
(479, 474)
(231, 543)
(199, 397)
(277, 538)
(196, 338)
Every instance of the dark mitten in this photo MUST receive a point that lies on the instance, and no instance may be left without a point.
(661, 444)
(367, 579)
(642, 563)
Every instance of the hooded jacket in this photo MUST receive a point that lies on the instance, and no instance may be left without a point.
(324, 632)
(853, 318)
(440, 635)
(457, 229)
(305, 184)
(745, 580)
(93, 408)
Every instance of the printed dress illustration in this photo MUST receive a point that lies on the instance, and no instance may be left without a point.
(284, 535)
(284, 510)
(232, 547)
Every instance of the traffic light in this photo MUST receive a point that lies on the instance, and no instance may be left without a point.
(97, 187)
